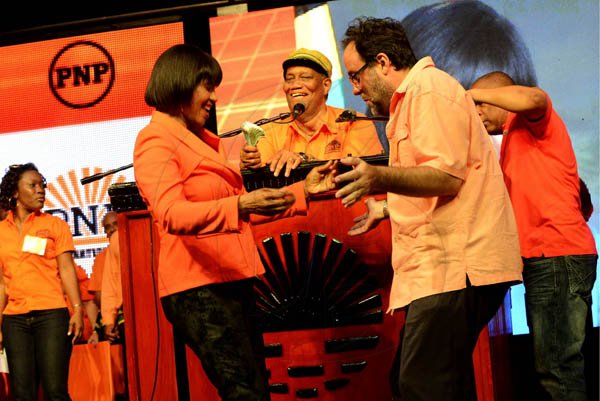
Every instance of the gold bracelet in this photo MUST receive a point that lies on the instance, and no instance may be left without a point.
(76, 306)
(386, 213)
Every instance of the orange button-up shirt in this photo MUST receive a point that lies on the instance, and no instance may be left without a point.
(438, 241)
(331, 141)
(32, 277)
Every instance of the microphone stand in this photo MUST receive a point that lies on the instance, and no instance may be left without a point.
(262, 121)
(349, 115)
(96, 177)
(374, 118)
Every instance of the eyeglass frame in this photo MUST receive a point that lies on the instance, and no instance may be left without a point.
(354, 77)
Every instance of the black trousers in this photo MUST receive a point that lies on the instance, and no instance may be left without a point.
(434, 360)
(217, 322)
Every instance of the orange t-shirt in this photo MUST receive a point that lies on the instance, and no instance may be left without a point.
(439, 241)
(83, 280)
(95, 283)
(540, 172)
(332, 141)
(28, 262)
(112, 291)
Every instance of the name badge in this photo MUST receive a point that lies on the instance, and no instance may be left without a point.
(35, 245)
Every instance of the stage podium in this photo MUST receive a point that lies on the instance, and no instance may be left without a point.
(321, 306)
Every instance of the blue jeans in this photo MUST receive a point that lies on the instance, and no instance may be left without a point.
(38, 348)
(558, 295)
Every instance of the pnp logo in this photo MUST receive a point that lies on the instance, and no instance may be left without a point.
(81, 74)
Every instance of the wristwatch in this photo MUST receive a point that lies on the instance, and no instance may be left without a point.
(385, 209)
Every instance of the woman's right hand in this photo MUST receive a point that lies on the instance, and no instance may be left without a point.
(265, 201)
(249, 157)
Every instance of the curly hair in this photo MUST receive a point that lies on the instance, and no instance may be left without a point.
(10, 182)
(372, 36)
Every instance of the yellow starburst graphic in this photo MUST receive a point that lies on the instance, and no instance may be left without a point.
(67, 193)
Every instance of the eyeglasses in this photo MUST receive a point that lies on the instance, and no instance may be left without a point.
(354, 77)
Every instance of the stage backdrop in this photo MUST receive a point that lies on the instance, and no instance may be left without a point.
(73, 106)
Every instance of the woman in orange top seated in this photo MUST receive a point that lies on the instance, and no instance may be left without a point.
(208, 258)
(36, 264)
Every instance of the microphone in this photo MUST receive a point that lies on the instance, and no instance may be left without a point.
(347, 115)
(298, 109)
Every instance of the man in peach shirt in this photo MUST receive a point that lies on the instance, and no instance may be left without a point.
(314, 134)
(455, 248)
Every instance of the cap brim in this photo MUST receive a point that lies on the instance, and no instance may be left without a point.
(303, 62)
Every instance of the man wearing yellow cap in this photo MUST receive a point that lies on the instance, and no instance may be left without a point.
(314, 134)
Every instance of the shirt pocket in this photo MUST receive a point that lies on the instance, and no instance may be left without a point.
(50, 248)
(401, 149)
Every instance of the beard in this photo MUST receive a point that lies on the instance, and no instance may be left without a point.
(380, 96)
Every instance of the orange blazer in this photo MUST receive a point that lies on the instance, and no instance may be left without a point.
(192, 192)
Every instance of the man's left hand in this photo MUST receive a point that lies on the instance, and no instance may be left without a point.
(361, 180)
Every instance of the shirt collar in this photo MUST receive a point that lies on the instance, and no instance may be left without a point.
(423, 63)
(10, 217)
(327, 126)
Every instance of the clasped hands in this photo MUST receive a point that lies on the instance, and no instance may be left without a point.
(250, 159)
(271, 201)
(360, 181)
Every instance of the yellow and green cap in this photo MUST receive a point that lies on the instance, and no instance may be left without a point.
(308, 58)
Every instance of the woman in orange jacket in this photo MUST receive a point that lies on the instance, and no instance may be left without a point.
(208, 258)
(36, 264)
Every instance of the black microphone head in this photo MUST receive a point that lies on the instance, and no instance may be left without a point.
(347, 115)
(298, 109)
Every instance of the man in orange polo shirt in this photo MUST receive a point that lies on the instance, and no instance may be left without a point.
(110, 225)
(314, 134)
(455, 248)
(557, 246)
(112, 292)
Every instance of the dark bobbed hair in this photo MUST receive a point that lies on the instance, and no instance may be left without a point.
(372, 36)
(10, 182)
(176, 74)
(468, 39)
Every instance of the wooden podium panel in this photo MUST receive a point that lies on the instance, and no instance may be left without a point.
(321, 305)
(149, 337)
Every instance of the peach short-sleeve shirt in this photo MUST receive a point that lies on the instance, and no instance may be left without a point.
(437, 242)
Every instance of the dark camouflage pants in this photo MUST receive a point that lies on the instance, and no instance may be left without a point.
(217, 322)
